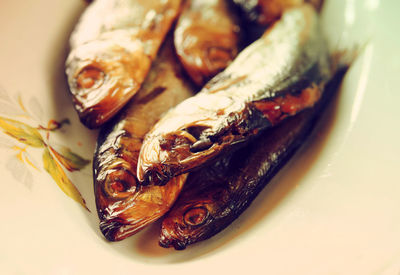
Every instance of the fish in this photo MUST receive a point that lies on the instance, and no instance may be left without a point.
(213, 197)
(206, 38)
(277, 76)
(111, 51)
(123, 206)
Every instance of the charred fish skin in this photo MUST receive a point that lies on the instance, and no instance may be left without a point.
(124, 207)
(112, 48)
(197, 216)
(277, 76)
(215, 196)
(206, 38)
(195, 209)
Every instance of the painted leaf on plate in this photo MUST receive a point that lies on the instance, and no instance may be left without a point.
(54, 160)
(70, 160)
(60, 177)
(22, 132)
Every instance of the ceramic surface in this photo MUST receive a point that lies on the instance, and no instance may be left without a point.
(334, 209)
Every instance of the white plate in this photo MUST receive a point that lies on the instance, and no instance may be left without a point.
(334, 209)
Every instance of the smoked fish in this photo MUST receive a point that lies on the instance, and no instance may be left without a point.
(206, 38)
(213, 197)
(125, 207)
(279, 75)
(112, 48)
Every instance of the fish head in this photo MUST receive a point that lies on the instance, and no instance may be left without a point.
(168, 155)
(103, 76)
(181, 143)
(187, 223)
(115, 190)
(206, 53)
(124, 207)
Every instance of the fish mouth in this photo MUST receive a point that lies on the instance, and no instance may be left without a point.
(111, 229)
(181, 235)
(167, 242)
(165, 156)
(173, 235)
(152, 176)
(160, 172)
(117, 230)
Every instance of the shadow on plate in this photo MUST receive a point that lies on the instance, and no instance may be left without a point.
(75, 136)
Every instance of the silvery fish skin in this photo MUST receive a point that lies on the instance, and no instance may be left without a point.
(216, 195)
(112, 49)
(276, 77)
(124, 207)
(206, 38)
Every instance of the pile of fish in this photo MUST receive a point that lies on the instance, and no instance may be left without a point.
(200, 103)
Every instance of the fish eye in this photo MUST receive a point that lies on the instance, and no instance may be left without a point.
(90, 77)
(119, 185)
(196, 216)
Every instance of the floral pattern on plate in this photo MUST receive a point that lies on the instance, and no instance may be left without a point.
(28, 135)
